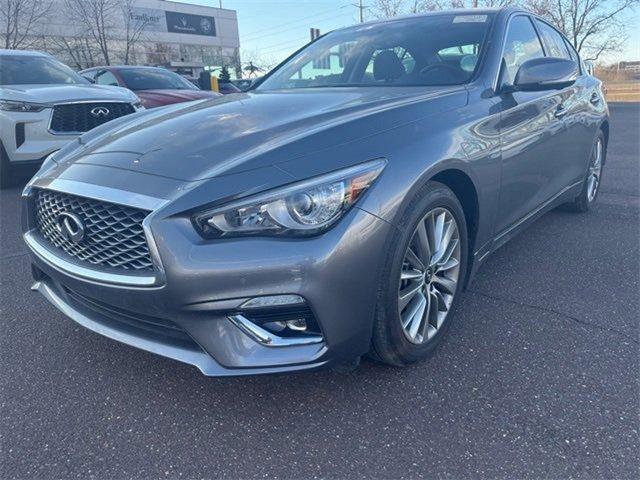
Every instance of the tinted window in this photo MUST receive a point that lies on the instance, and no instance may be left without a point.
(522, 44)
(434, 50)
(553, 41)
(90, 74)
(105, 77)
(31, 70)
(154, 79)
(573, 54)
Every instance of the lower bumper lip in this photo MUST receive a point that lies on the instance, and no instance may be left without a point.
(199, 359)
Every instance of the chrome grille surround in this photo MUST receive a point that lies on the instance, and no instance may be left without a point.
(114, 235)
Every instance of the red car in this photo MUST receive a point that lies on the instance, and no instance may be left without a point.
(153, 85)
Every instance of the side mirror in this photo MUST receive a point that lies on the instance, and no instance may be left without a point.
(590, 67)
(545, 73)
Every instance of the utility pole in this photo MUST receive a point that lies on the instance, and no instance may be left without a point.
(360, 7)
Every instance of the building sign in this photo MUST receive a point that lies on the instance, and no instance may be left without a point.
(149, 19)
(192, 24)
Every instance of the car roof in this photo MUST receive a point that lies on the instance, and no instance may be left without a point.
(125, 67)
(454, 11)
(22, 53)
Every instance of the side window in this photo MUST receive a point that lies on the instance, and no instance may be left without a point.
(573, 54)
(104, 77)
(90, 75)
(553, 41)
(522, 44)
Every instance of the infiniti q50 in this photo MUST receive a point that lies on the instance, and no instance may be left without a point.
(337, 209)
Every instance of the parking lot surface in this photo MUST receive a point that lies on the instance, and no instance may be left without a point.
(538, 378)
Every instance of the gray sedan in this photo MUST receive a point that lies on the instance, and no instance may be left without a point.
(337, 209)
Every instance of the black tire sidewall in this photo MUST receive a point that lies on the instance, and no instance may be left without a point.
(389, 343)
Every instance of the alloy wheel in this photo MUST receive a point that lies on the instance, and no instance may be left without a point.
(595, 171)
(429, 276)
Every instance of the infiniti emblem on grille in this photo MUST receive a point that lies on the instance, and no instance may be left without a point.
(70, 227)
(100, 112)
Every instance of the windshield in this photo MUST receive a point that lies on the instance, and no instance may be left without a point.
(154, 79)
(32, 70)
(429, 50)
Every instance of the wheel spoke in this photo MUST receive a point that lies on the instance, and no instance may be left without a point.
(418, 317)
(446, 283)
(449, 264)
(408, 293)
(411, 274)
(413, 259)
(424, 249)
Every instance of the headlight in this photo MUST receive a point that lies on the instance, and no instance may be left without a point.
(11, 106)
(137, 105)
(303, 208)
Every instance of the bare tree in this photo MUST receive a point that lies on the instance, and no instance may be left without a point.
(20, 19)
(595, 27)
(78, 52)
(96, 19)
(134, 26)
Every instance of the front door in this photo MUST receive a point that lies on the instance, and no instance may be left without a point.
(531, 129)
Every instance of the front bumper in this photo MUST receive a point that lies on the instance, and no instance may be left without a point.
(26, 137)
(186, 312)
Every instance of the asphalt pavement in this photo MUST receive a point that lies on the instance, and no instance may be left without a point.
(539, 377)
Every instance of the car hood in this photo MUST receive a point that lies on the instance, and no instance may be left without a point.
(166, 96)
(245, 131)
(65, 93)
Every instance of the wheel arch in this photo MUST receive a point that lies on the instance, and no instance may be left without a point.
(465, 190)
(604, 126)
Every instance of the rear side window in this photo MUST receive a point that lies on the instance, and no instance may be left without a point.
(105, 77)
(522, 44)
(553, 41)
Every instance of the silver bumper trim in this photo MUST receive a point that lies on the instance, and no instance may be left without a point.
(83, 273)
(267, 338)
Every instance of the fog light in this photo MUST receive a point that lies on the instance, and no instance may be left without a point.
(299, 325)
(273, 301)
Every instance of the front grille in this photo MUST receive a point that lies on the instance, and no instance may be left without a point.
(78, 117)
(113, 234)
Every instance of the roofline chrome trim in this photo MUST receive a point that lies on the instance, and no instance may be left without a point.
(84, 273)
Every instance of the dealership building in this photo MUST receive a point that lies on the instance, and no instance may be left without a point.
(182, 36)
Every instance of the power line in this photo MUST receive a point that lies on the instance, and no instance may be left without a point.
(256, 33)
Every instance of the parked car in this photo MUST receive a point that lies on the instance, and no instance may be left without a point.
(337, 209)
(44, 105)
(243, 84)
(154, 86)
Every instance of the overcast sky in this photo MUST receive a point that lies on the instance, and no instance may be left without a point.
(272, 29)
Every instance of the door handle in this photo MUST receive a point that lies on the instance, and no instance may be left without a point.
(561, 111)
(595, 99)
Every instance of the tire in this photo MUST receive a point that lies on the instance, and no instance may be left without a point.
(393, 342)
(589, 193)
(6, 177)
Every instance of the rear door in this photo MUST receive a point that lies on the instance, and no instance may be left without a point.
(532, 132)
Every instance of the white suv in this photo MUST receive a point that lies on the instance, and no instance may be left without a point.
(44, 104)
